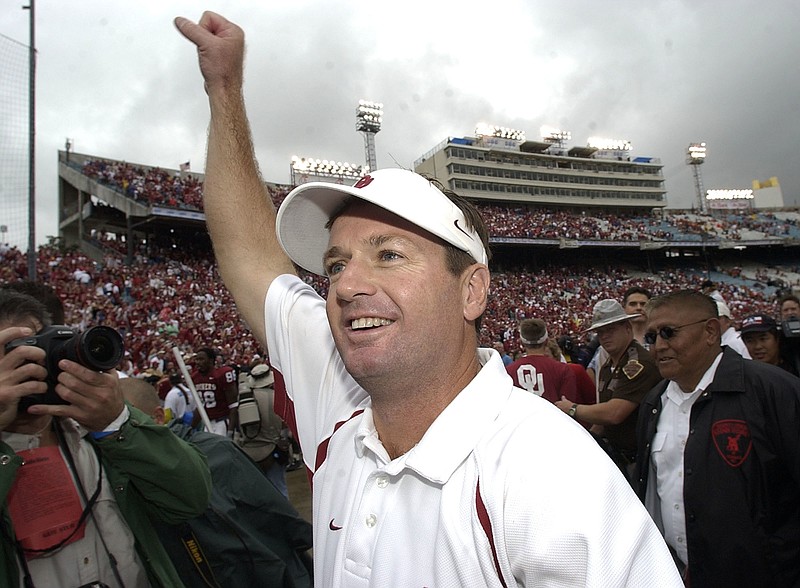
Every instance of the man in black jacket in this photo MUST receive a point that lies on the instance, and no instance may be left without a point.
(719, 452)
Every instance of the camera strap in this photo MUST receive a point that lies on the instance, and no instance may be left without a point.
(197, 556)
(90, 502)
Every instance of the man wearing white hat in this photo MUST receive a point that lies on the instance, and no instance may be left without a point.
(730, 336)
(624, 379)
(428, 465)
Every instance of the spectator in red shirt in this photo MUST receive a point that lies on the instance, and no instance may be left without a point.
(536, 371)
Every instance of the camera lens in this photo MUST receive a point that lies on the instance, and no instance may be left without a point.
(100, 348)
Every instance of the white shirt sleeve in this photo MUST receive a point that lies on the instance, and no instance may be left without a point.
(301, 348)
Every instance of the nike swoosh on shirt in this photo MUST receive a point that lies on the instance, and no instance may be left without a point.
(334, 527)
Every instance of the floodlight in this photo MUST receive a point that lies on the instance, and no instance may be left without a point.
(729, 195)
(609, 144)
(326, 168)
(696, 154)
(554, 135)
(369, 116)
(486, 130)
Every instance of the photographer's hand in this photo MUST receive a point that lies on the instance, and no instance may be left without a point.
(22, 372)
(95, 398)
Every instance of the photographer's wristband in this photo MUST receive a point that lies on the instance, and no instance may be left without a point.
(113, 426)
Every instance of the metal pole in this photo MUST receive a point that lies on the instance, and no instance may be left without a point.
(188, 379)
(698, 184)
(32, 145)
(369, 148)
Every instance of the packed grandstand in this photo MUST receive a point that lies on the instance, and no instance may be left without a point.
(160, 288)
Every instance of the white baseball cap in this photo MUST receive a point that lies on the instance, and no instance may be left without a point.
(308, 208)
(723, 309)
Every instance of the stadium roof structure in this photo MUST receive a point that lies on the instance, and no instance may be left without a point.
(545, 172)
(581, 151)
(535, 146)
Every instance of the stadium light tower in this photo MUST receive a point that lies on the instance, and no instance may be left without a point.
(696, 156)
(369, 116)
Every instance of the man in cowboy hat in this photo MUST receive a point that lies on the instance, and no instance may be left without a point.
(624, 379)
(259, 433)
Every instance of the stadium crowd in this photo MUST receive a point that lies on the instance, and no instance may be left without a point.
(153, 186)
(159, 187)
(173, 297)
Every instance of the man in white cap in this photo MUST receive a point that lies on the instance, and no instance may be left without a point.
(624, 379)
(424, 456)
(730, 336)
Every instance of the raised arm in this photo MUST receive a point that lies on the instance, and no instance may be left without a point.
(238, 208)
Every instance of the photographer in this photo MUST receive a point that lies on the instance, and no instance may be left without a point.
(259, 433)
(81, 481)
(789, 305)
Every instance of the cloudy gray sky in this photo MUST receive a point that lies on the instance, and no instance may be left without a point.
(120, 81)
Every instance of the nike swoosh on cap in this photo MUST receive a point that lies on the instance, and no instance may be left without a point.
(455, 222)
(334, 527)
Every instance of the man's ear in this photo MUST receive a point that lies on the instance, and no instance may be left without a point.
(159, 416)
(476, 291)
(713, 331)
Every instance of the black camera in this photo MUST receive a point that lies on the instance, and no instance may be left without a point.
(790, 327)
(97, 348)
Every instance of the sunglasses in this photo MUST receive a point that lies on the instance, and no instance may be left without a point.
(667, 333)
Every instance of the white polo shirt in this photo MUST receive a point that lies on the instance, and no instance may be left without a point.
(502, 490)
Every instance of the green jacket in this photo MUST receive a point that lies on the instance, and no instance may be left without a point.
(153, 474)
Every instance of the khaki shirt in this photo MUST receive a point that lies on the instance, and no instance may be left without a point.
(630, 380)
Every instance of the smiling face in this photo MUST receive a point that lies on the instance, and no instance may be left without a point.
(398, 316)
(686, 356)
(763, 346)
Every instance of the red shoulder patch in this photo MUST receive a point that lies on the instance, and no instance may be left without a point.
(732, 440)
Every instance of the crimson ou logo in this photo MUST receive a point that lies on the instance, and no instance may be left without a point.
(364, 182)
